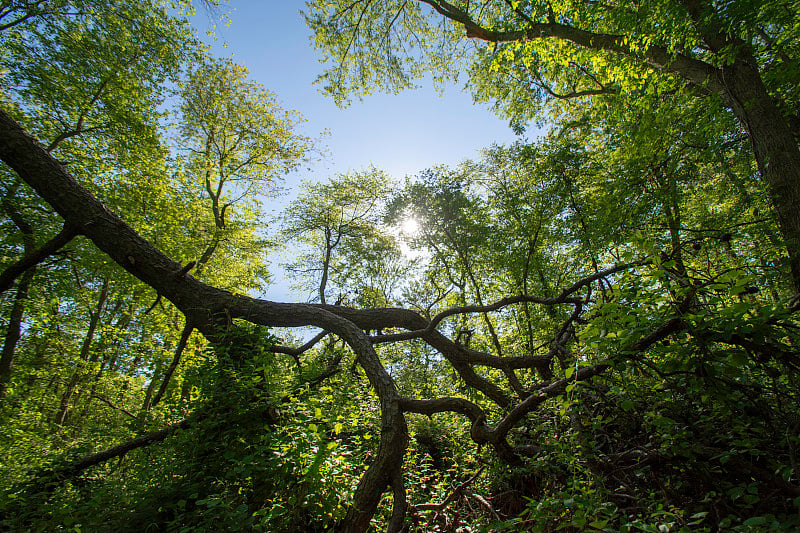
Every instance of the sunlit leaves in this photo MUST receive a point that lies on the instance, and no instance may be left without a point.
(234, 144)
(385, 45)
(345, 250)
(233, 131)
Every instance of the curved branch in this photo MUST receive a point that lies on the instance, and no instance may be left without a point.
(538, 397)
(481, 433)
(441, 405)
(693, 70)
(504, 302)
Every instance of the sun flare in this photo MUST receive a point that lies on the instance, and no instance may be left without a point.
(409, 227)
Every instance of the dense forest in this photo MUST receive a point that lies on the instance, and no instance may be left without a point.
(595, 329)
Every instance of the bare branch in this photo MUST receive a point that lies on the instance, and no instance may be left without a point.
(113, 406)
(457, 491)
(290, 350)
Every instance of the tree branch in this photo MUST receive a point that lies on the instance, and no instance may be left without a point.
(693, 70)
(207, 307)
(74, 469)
(295, 352)
(36, 256)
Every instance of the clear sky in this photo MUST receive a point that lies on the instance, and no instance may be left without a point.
(402, 134)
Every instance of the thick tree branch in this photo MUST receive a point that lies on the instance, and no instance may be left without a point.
(36, 256)
(207, 307)
(537, 398)
(441, 405)
(694, 71)
(483, 433)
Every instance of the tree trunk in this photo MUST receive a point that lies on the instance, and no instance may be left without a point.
(326, 262)
(384, 471)
(94, 320)
(14, 330)
(774, 146)
(176, 359)
(148, 395)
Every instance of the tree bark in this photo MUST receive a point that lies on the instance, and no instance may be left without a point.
(14, 330)
(774, 146)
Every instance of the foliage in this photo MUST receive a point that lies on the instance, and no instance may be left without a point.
(595, 330)
(346, 250)
(388, 45)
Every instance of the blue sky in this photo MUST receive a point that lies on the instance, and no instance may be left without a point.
(402, 134)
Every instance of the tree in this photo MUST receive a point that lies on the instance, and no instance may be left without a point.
(89, 77)
(335, 216)
(237, 140)
(210, 309)
(581, 366)
(207, 308)
(236, 143)
(743, 55)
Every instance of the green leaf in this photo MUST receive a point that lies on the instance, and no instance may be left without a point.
(755, 521)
